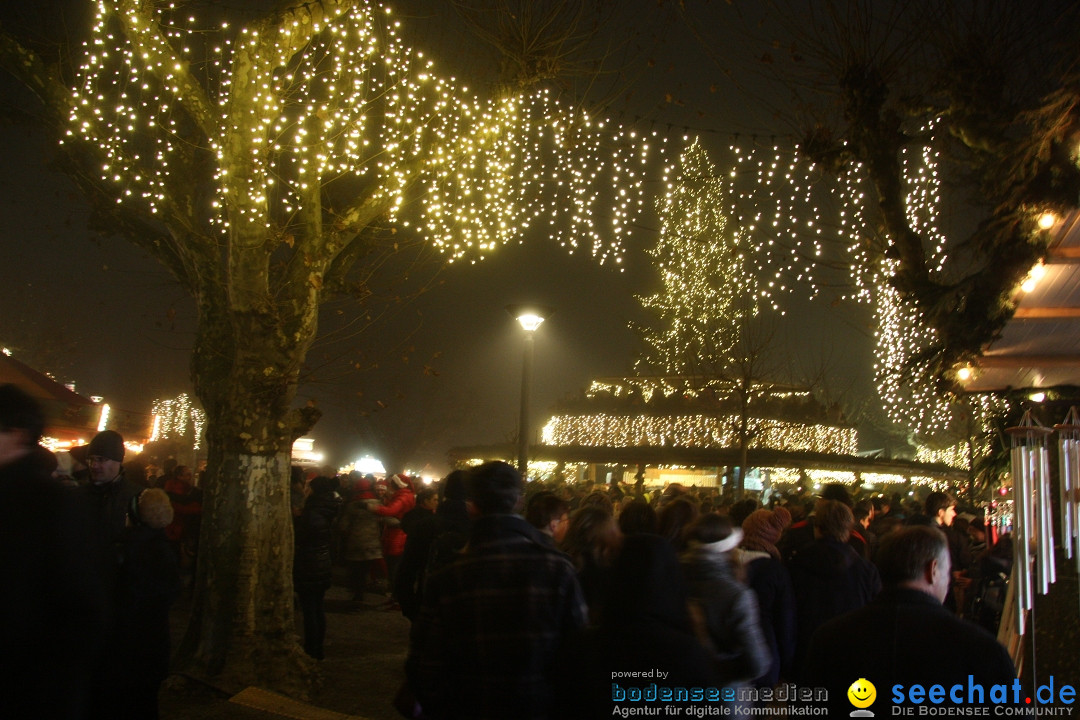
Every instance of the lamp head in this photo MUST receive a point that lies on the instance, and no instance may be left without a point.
(530, 321)
(530, 316)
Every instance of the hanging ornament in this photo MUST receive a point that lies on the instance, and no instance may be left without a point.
(1069, 474)
(1032, 529)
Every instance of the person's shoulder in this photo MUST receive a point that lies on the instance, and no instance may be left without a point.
(848, 627)
(128, 488)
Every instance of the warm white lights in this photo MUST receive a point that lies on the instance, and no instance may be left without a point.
(706, 265)
(103, 418)
(530, 321)
(335, 117)
(1047, 220)
(178, 418)
(366, 465)
(266, 151)
(1033, 277)
(694, 431)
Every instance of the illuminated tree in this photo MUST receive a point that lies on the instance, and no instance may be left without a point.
(260, 164)
(709, 324)
(701, 256)
(925, 103)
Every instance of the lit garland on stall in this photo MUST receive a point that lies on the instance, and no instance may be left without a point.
(954, 456)
(649, 386)
(817, 478)
(178, 418)
(288, 109)
(694, 430)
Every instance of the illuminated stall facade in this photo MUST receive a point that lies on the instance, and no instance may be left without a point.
(697, 432)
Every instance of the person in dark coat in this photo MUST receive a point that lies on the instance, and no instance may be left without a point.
(492, 620)
(108, 497)
(647, 626)
(147, 585)
(769, 579)
(728, 610)
(312, 565)
(829, 576)
(592, 541)
(913, 640)
(419, 525)
(452, 523)
(52, 601)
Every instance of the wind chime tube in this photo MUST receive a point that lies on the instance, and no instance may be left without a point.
(1044, 543)
(1072, 506)
(1021, 556)
(1065, 461)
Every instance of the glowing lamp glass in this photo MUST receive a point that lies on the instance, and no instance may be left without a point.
(530, 321)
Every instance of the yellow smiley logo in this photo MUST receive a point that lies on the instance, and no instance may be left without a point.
(862, 693)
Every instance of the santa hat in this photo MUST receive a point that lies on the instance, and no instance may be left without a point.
(399, 481)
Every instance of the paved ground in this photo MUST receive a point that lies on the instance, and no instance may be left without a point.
(365, 654)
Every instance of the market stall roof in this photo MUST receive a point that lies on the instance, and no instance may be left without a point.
(1040, 346)
(68, 415)
(37, 384)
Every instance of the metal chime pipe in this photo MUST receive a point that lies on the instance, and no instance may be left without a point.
(1044, 542)
(1021, 538)
(1066, 461)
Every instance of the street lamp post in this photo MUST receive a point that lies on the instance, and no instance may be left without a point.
(530, 317)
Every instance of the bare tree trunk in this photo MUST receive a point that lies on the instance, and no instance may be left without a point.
(242, 629)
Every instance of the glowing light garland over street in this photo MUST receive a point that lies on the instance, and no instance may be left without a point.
(342, 100)
(320, 105)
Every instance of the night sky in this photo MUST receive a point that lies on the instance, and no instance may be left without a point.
(117, 323)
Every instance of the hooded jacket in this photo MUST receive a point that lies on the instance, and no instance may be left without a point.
(393, 537)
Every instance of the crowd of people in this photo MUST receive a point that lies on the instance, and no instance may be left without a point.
(89, 572)
(558, 590)
(525, 601)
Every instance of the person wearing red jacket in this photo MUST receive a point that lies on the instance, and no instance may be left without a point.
(183, 532)
(400, 501)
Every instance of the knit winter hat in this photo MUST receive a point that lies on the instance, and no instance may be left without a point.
(154, 508)
(108, 444)
(766, 525)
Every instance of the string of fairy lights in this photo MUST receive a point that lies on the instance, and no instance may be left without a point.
(694, 431)
(177, 418)
(319, 112)
(907, 390)
(708, 288)
(984, 439)
(345, 102)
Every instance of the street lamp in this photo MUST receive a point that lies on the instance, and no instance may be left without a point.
(530, 317)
